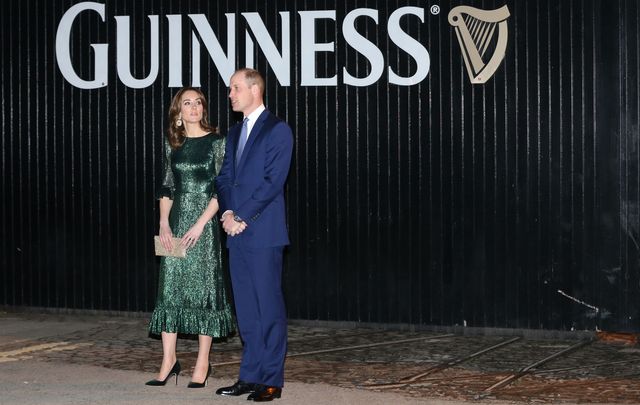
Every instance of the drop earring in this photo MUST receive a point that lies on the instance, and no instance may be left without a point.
(179, 121)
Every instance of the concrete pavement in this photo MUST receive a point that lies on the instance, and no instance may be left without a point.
(99, 359)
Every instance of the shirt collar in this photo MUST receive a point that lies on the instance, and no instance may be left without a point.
(253, 117)
(255, 114)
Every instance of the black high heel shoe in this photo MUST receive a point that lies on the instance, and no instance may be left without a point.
(202, 384)
(175, 370)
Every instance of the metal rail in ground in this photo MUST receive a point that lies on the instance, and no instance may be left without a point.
(308, 340)
(346, 348)
(530, 368)
(442, 366)
(584, 366)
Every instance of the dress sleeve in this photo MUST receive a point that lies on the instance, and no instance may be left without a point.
(167, 187)
(218, 156)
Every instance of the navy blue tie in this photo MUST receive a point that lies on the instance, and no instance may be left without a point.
(242, 141)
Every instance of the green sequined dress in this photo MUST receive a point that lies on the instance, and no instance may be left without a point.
(192, 294)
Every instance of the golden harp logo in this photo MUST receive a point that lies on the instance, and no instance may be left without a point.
(476, 32)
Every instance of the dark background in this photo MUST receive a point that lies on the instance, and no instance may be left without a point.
(442, 203)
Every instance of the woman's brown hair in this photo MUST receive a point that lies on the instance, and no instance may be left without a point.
(175, 133)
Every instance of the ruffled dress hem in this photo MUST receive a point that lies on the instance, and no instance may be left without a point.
(192, 322)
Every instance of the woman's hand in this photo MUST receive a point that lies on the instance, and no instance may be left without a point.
(166, 236)
(190, 238)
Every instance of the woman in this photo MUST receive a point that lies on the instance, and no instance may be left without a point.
(192, 298)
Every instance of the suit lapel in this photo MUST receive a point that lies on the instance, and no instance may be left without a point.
(253, 135)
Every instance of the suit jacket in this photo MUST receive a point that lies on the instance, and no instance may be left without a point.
(254, 190)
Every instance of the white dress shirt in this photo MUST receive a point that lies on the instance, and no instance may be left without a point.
(253, 117)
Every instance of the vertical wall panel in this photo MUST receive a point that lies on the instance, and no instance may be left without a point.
(514, 203)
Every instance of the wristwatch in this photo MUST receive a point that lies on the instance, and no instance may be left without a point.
(237, 218)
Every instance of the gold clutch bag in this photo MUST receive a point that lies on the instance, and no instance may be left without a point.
(178, 250)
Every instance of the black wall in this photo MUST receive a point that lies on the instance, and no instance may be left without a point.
(439, 203)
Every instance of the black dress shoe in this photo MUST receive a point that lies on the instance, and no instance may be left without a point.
(238, 388)
(265, 393)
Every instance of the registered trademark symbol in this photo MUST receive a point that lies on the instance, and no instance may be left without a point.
(435, 9)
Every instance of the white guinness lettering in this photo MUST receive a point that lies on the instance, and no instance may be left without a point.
(409, 45)
(63, 54)
(280, 63)
(225, 64)
(364, 46)
(309, 47)
(224, 58)
(122, 57)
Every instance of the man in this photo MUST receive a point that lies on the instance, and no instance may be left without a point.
(250, 188)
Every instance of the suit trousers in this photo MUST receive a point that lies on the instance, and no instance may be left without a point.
(256, 275)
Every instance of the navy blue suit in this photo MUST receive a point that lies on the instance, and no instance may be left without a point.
(253, 189)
